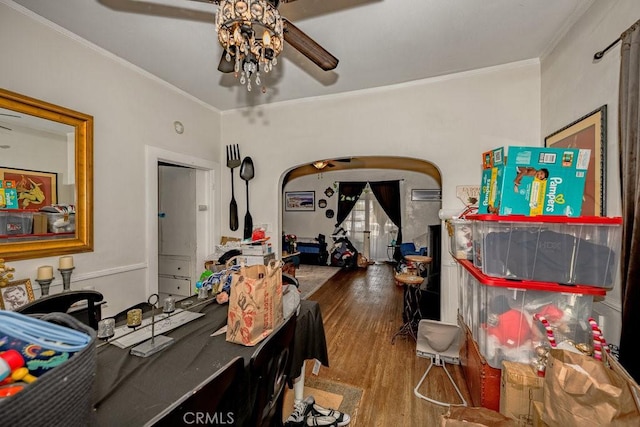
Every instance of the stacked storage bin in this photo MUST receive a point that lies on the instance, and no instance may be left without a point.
(522, 266)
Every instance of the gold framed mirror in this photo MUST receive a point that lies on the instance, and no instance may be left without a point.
(61, 134)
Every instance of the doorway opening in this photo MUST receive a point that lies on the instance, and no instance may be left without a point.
(201, 175)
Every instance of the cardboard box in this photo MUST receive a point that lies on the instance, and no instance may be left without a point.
(519, 388)
(492, 177)
(538, 409)
(258, 259)
(10, 196)
(534, 181)
(474, 417)
(258, 249)
(227, 239)
(40, 223)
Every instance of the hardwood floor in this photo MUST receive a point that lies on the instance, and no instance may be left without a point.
(362, 309)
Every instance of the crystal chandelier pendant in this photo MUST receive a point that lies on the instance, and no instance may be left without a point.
(237, 22)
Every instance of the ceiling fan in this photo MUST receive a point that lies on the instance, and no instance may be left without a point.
(292, 35)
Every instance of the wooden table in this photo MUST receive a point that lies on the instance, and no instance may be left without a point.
(418, 262)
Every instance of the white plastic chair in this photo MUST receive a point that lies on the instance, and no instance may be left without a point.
(440, 342)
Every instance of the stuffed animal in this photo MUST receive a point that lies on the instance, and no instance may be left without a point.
(508, 333)
(464, 243)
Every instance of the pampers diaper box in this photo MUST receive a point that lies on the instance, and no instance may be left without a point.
(533, 181)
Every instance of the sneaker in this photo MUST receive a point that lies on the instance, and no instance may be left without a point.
(321, 420)
(300, 412)
(341, 418)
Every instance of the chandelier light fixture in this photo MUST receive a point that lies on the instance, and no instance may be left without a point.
(251, 33)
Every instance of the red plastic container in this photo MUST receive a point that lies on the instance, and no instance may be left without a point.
(500, 314)
(566, 250)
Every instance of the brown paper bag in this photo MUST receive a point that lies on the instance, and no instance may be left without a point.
(582, 391)
(255, 303)
(475, 417)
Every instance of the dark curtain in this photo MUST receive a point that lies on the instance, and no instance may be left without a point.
(629, 111)
(348, 195)
(388, 195)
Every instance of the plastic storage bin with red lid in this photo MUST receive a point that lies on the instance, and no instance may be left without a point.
(502, 318)
(567, 250)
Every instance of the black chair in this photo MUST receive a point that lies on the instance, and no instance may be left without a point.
(62, 302)
(269, 368)
(212, 397)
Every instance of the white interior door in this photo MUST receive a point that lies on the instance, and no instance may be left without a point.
(177, 225)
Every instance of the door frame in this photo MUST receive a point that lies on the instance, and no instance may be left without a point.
(207, 229)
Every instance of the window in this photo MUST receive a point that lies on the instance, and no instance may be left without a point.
(368, 215)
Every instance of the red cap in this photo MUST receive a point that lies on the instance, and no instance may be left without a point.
(13, 359)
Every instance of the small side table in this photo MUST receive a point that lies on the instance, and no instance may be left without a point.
(411, 304)
(419, 261)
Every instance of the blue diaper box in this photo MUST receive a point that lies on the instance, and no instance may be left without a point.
(533, 181)
(493, 163)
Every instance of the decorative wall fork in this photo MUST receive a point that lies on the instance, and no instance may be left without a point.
(233, 161)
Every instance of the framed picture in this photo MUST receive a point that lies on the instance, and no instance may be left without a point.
(589, 132)
(300, 201)
(16, 294)
(35, 189)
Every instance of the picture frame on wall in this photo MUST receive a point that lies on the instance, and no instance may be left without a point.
(35, 189)
(299, 201)
(589, 131)
(16, 294)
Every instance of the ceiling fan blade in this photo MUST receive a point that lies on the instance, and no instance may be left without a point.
(308, 47)
(225, 66)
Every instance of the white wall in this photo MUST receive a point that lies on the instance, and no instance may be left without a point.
(131, 109)
(447, 121)
(574, 85)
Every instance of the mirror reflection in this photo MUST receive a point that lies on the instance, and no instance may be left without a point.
(30, 145)
(45, 177)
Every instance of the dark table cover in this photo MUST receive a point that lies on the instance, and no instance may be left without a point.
(131, 390)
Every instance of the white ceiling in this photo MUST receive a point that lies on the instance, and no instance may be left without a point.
(378, 42)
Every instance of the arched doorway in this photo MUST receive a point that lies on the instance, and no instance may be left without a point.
(319, 180)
